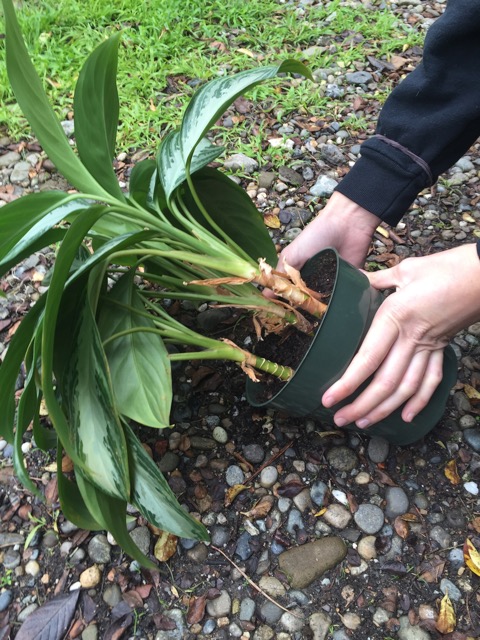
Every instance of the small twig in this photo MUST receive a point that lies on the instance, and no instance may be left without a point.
(266, 464)
(255, 586)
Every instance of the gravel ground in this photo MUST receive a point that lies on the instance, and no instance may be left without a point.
(336, 535)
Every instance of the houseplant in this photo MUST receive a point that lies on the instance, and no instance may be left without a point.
(93, 352)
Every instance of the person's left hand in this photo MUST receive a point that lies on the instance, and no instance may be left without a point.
(436, 296)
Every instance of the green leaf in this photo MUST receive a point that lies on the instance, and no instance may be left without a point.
(96, 114)
(27, 409)
(233, 211)
(138, 362)
(25, 221)
(112, 514)
(171, 162)
(152, 496)
(33, 101)
(95, 432)
(211, 100)
(11, 364)
(140, 181)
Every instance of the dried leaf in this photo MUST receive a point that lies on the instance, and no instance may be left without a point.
(383, 232)
(472, 557)
(451, 472)
(446, 620)
(409, 517)
(431, 571)
(233, 492)
(401, 527)
(248, 53)
(261, 509)
(320, 513)
(165, 546)
(395, 567)
(196, 609)
(398, 62)
(384, 478)
(291, 489)
(117, 629)
(272, 221)
(348, 594)
(50, 621)
(468, 218)
(476, 524)
(472, 394)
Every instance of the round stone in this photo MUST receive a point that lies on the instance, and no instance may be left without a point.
(253, 453)
(447, 586)
(337, 516)
(369, 518)
(472, 438)
(11, 559)
(366, 548)
(292, 621)
(272, 586)
(32, 568)
(351, 620)
(6, 598)
(342, 458)
(90, 577)
(112, 595)
(268, 477)
(247, 609)
(220, 606)
(99, 549)
(397, 502)
(318, 491)
(220, 435)
(441, 537)
(141, 537)
(234, 475)
(378, 449)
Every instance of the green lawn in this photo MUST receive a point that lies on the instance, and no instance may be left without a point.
(169, 46)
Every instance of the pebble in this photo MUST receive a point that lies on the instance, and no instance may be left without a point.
(141, 537)
(467, 422)
(11, 559)
(220, 435)
(461, 402)
(243, 549)
(351, 621)
(112, 595)
(247, 609)
(472, 438)
(447, 586)
(90, 577)
(90, 632)
(304, 564)
(270, 613)
(9, 159)
(272, 586)
(6, 598)
(369, 518)
(441, 537)
(318, 492)
(268, 477)
(168, 462)
(234, 475)
(220, 536)
(323, 187)
(358, 77)
(32, 568)
(99, 549)
(471, 487)
(378, 449)
(302, 500)
(24, 613)
(456, 558)
(397, 502)
(342, 458)
(292, 621)
(241, 162)
(319, 624)
(366, 548)
(20, 173)
(411, 632)
(221, 606)
(180, 630)
(337, 516)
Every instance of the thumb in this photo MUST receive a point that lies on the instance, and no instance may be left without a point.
(384, 279)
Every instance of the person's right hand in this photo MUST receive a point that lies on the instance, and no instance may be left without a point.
(342, 224)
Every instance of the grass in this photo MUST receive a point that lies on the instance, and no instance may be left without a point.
(168, 48)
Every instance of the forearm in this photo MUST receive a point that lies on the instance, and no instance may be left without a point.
(434, 114)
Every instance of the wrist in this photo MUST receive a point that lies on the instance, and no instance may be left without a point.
(341, 207)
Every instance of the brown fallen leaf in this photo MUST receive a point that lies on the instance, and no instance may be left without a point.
(446, 620)
(165, 546)
(401, 527)
(476, 524)
(290, 489)
(471, 556)
(451, 472)
(233, 492)
(384, 478)
(261, 509)
(430, 571)
(196, 609)
(272, 221)
(472, 394)
(398, 62)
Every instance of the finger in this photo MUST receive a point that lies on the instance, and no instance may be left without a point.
(383, 279)
(432, 378)
(407, 387)
(384, 385)
(370, 356)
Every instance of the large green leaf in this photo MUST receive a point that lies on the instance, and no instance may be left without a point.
(24, 221)
(96, 114)
(233, 211)
(140, 181)
(33, 101)
(152, 496)
(171, 162)
(112, 514)
(95, 432)
(211, 100)
(138, 362)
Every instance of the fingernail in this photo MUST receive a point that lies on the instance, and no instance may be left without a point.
(362, 423)
(327, 401)
(340, 422)
(409, 417)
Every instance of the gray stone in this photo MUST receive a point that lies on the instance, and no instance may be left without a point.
(272, 586)
(474, 329)
(290, 176)
(11, 559)
(303, 565)
(411, 632)
(397, 502)
(199, 553)
(265, 179)
(168, 462)
(90, 632)
(323, 187)
(99, 549)
(456, 558)
(358, 77)
(20, 173)
(333, 90)
(241, 162)
(247, 609)
(461, 402)
(24, 613)
(293, 621)
(268, 477)
(297, 216)
(209, 626)
(369, 518)
(291, 234)
(441, 537)
(221, 606)
(68, 127)
(318, 491)
(220, 435)
(319, 625)
(447, 586)
(6, 598)
(378, 449)
(243, 549)
(467, 422)
(77, 556)
(270, 613)
(253, 453)
(342, 458)
(337, 516)
(332, 154)
(180, 632)
(9, 159)
(141, 537)
(112, 595)
(465, 164)
(234, 475)
(220, 536)
(472, 437)
(11, 539)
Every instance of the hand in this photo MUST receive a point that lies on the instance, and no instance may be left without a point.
(435, 297)
(342, 224)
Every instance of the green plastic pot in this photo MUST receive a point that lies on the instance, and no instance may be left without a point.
(352, 306)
